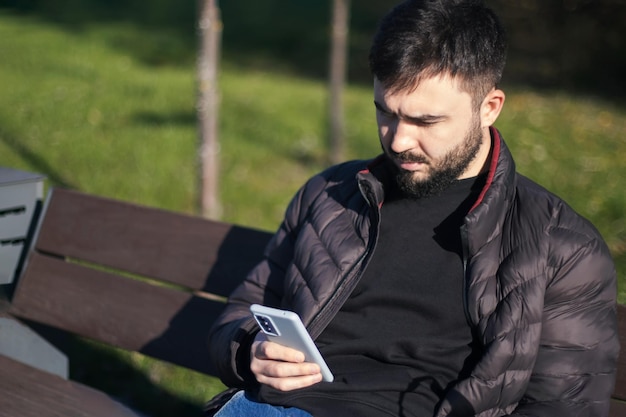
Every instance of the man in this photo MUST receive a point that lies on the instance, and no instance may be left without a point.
(435, 280)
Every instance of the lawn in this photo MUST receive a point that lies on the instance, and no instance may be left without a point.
(90, 115)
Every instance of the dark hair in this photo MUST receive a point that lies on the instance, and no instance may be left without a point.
(420, 39)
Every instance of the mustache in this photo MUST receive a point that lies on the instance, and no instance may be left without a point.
(407, 156)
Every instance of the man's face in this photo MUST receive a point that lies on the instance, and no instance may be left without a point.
(432, 135)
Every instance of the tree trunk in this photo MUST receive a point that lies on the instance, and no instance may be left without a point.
(210, 31)
(338, 65)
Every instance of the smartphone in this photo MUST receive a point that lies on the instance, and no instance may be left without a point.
(285, 328)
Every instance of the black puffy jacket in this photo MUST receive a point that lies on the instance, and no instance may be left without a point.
(540, 289)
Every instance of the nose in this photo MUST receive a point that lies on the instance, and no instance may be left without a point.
(402, 137)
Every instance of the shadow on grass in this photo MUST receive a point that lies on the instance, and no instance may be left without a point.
(34, 160)
(110, 371)
(301, 152)
(166, 119)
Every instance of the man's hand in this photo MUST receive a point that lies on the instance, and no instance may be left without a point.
(281, 367)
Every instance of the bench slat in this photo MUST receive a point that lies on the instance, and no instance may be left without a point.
(190, 251)
(28, 392)
(161, 322)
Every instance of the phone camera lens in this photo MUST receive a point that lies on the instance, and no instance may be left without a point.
(265, 324)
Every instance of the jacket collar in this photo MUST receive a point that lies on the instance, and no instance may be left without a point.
(372, 181)
(484, 222)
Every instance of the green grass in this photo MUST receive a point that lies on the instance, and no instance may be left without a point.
(80, 107)
(94, 119)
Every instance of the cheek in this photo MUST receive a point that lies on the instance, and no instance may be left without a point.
(438, 141)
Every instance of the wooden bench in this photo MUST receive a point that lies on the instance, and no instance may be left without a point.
(137, 278)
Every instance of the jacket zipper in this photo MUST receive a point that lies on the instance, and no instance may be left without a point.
(350, 279)
(465, 248)
(336, 301)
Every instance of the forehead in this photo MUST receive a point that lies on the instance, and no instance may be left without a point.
(439, 92)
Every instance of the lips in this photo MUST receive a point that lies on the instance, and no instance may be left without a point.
(411, 166)
(410, 162)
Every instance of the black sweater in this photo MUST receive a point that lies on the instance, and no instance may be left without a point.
(402, 336)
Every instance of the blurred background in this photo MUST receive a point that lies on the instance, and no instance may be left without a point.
(100, 96)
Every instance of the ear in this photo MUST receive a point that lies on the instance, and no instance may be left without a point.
(491, 107)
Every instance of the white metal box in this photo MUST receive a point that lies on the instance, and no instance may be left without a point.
(21, 193)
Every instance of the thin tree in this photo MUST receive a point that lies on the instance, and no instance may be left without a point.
(337, 77)
(210, 32)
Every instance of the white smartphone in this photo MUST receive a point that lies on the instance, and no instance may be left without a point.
(285, 328)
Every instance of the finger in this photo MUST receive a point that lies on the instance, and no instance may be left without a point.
(274, 351)
(280, 369)
(290, 383)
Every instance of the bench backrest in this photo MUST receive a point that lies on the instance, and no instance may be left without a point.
(138, 278)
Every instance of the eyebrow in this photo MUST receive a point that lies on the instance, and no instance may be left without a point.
(422, 119)
(380, 107)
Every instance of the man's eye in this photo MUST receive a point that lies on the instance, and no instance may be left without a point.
(423, 123)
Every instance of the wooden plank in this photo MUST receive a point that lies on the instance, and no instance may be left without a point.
(160, 322)
(620, 382)
(186, 250)
(28, 392)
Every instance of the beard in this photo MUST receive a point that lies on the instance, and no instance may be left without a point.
(442, 172)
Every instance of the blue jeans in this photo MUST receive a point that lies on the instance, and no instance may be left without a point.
(241, 406)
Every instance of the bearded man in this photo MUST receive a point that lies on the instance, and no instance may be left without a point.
(435, 279)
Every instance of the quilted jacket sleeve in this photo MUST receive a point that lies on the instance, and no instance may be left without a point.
(232, 334)
(574, 372)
